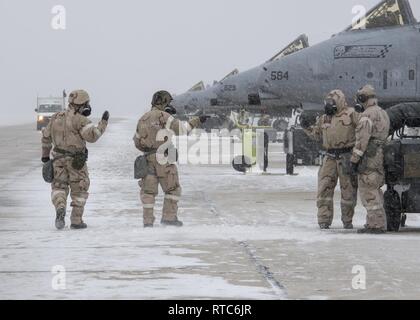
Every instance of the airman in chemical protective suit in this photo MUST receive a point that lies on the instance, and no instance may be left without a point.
(65, 140)
(336, 129)
(153, 137)
(367, 160)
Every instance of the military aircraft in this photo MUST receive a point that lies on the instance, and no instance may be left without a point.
(381, 49)
(236, 91)
(201, 100)
(242, 89)
(198, 97)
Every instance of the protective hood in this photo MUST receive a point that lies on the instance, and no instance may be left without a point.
(340, 99)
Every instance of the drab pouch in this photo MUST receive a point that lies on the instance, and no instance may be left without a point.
(48, 171)
(141, 169)
(79, 160)
(346, 163)
(371, 151)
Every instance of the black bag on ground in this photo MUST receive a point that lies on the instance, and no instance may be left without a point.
(48, 171)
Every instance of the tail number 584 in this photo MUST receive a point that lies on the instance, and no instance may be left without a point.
(279, 75)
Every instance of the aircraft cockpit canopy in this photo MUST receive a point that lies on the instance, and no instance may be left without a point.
(389, 13)
(198, 87)
(230, 74)
(297, 45)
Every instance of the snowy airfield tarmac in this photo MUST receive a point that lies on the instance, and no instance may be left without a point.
(245, 237)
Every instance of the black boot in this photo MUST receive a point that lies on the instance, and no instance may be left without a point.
(148, 225)
(324, 226)
(175, 223)
(60, 223)
(79, 226)
(348, 226)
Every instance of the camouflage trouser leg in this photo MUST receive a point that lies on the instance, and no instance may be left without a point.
(170, 185)
(149, 190)
(60, 185)
(79, 186)
(327, 181)
(348, 187)
(370, 184)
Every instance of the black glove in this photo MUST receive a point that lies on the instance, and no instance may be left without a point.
(203, 119)
(305, 123)
(105, 116)
(354, 167)
(307, 120)
(45, 159)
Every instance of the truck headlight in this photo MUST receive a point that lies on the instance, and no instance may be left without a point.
(40, 118)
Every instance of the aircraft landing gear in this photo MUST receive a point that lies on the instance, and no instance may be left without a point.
(403, 220)
(290, 164)
(241, 164)
(393, 210)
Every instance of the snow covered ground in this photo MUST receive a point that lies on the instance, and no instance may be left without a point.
(245, 236)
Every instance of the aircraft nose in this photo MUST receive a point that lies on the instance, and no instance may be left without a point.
(218, 90)
(266, 86)
(179, 105)
(269, 94)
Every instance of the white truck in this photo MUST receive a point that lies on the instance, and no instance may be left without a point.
(46, 107)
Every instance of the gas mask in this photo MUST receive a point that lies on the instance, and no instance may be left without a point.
(359, 108)
(361, 99)
(330, 107)
(85, 110)
(170, 109)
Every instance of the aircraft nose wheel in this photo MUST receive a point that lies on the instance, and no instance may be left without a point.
(241, 164)
(290, 163)
(393, 210)
(403, 221)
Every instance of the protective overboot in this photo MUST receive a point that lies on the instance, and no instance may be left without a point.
(79, 226)
(371, 231)
(175, 223)
(60, 222)
(324, 226)
(348, 226)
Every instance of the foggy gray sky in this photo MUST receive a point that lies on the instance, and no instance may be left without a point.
(123, 51)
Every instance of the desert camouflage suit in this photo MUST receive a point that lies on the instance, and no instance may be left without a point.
(338, 136)
(153, 135)
(69, 131)
(371, 134)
